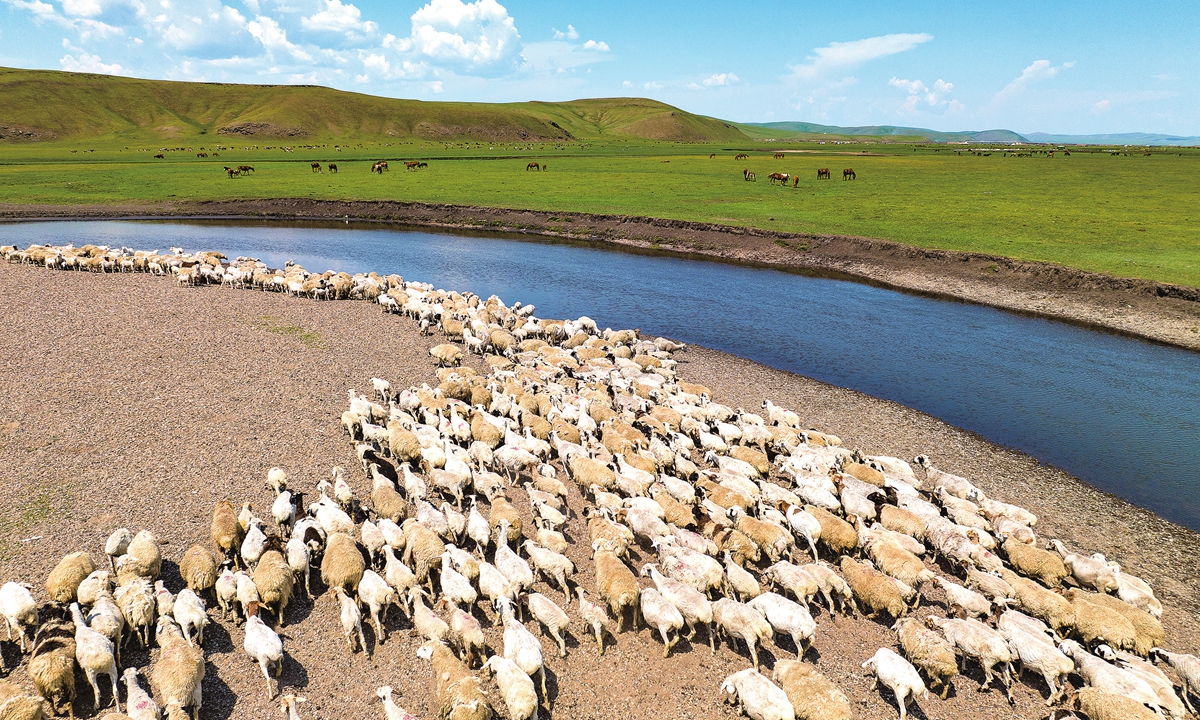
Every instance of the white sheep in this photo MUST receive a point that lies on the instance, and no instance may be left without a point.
(351, 619)
(898, 675)
(520, 696)
(757, 697)
(520, 645)
(1109, 678)
(1187, 667)
(19, 609)
(189, 612)
(691, 603)
(551, 617)
(787, 618)
(1037, 652)
(980, 642)
(377, 595)
(264, 646)
(554, 566)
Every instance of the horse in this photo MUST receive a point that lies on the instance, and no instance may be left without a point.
(420, 165)
(333, 168)
(245, 169)
(159, 156)
(823, 173)
(710, 157)
(533, 166)
(742, 156)
(201, 155)
(778, 156)
(232, 172)
(316, 167)
(780, 178)
(747, 175)
(795, 181)
(848, 174)
(382, 166)
(411, 165)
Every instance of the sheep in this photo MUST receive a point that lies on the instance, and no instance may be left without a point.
(299, 561)
(225, 530)
(342, 565)
(189, 612)
(898, 675)
(351, 620)
(992, 586)
(178, 675)
(1036, 651)
(283, 511)
(19, 610)
(274, 579)
(551, 564)
(226, 590)
(138, 703)
(1050, 607)
(742, 622)
(520, 697)
(136, 601)
(873, 589)
(757, 697)
(742, 582)
(773, 539)
(970, 602)
(812, 695)
(446, 354)
(658, 613)
(837, 535)
(1147, 671)
(63, 581)
(94, 584)
(505, 521)
(263, 645)
(793, 579)
(52, 663)
(740, 547)
(787, 618)
(616, 584)
(1098, 704)
(1089, 572)
(460, 694)
(587, 472)
(94, 653)
(1148, 631)
(929, 651)
(980, 642)
(1045, 567)
(198, 568)
(692, 605)
(520, 645)
(1136, 592)
(116, 545)
(425, 621)
(551, 539)
(1187, 667)
(691, 568)
(897, 562)
(465, 632)
(1100, 674)
(1094, 622)
(594, 616)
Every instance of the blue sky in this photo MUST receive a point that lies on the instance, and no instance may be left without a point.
(1064, 67)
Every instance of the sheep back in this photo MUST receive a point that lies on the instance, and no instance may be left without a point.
(876, 591)
(502, 509)
(755, 458)
(225, 530)
(587, 472)
(460, 693)
(52, 663)
(390, 504)
(812, 695)
(1050, 607)
(928, 650)
(403, 444)
(198, 568)
(423, 549)
(274, 580)
(1096, 622)
(63, 581)
(865, 473)
(178, 673)
(1041, 565)
(342, 564)
(146, 556)
(616, 582)
(899, 563)
(1148, 629)
(902, 521)
(836, 534)
(1099, 705)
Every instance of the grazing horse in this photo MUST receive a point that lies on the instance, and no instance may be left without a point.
(747, 175)
(201, 155)
(159, 156)
(778, 156)
(823, 173)
(795, 181)
(848, 174)
(420, 165)
(710, 157)
(316, 167)
(533, 166)
(232, 172)
(742, 156)
(411, 165)
(245, 169)
(333, 168)
(780, 178)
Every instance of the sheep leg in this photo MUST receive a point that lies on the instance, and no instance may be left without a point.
(379, 633)
(91, 678)
(600, 638)
(1184, 693)
(562, 643)
(542, 677)
(753, 652)
(945, 688)
(112, 678)
(712, 639)
(266, 671)
(902, 701)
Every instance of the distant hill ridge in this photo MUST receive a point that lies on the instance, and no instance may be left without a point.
(892, 131)
(48, 104)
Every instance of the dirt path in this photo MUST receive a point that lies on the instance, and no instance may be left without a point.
(129, 401)
(1157, 311)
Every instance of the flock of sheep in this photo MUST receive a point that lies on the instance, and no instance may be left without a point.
(751, 521)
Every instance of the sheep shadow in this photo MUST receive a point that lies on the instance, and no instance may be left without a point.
(219, 698)
(294, 675)
(914, 710)
(217, 639)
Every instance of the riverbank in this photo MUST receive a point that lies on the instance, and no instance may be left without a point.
(1160, 312)
(130, 401)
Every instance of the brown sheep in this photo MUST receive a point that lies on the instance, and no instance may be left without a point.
(52, 663)
(226, 531)
(63, 581)
(617, 585)
(836, 534)
(198, 568)
(342, 564)
(274, 579)
(928, 651)
(1041, 565)
(875, 591)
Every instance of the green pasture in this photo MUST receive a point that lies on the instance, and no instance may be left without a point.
(1128, 215)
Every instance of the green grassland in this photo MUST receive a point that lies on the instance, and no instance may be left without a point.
(1127, 215)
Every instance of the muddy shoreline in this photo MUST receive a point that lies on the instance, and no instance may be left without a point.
(1159, 312)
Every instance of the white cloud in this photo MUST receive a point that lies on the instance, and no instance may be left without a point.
(477, 34)
(1039, 70)
(570, 34)
(715, 80)
(376, 62)
(89, 64)
(339, 18)
(596, 46)
(267, 31)
(935, 97)
(838, 56)
(436, 86)
(82, 8)
(911, 87)
(1101, 107)
(41, 11)
(651, 85)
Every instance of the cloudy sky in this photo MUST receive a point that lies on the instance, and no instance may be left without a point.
(1074, 67)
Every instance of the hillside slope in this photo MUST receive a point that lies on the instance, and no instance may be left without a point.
(812, 129)
(47, 105)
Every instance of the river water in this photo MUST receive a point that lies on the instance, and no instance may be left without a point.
(1119, 413)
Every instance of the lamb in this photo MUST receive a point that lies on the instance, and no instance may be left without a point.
(94, 653)
(1088, 571)
(992, 586)
(19, 610)
(837, 535)
(1045, 567)
(505, 521)
(189, 612)
(179, 673)
(263, 645)
(511, 564)
(812, 695)
(742, 622)
(1187, 667)
(198, 569)
(144, 555)
(898, 675)
(138, 703)
(246, 593)
(551, 564)
(757, 697)
(955, 485)
(1100, 674)
(980, 642)
(741, 548)
(400, 578)
(460, 694)
(226, 590)
(1036, 651)
(1097, 704)
(520, 645)
(832, 587)
(465, 632)
(742, 582)
(658, 613)
(283, 511)
(274, 579)
(52, 663)
(928, 651)
(226, 531)
(63, 582)
(551, 617)
(692, 605)
(299, 561)
(386, 501)
(376, 594)
(520, 696)
(873, 589)
(787, 618)
(617, 585)
(691, 568)
(425, 621)
(970, 602)
(773, 539)
(351, 620)
(342, 565)
(594, 616)
(94, 584)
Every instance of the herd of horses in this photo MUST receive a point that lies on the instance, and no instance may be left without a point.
(233, 172)
(534, 166)
(783, 178)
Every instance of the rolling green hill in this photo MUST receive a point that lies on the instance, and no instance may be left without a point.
(53, 105)
(807, 131)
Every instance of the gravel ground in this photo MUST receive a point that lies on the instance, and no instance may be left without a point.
(128, 401)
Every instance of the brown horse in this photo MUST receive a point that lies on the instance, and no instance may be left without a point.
(795, 181)
(232, 172)
(780, 178)
(382, 164)
(848, 174)
(411, 165)
(245, 169)
(778, 156)
(201, 155)
(316, 167)
(823, 173)
(533, 166)
(710, 157)
(333, 168)
(747, 175)
(742, 156)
